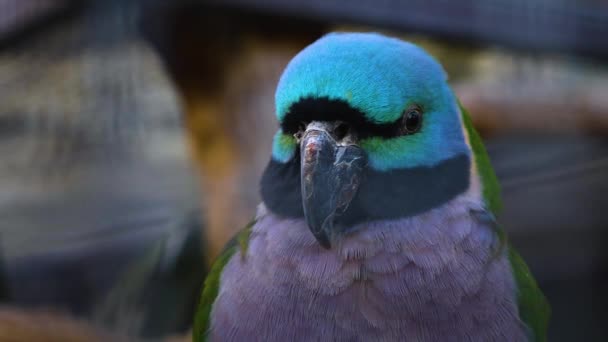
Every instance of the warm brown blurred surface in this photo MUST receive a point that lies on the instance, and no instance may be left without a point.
(548, 96)
(48, 326)
(17, 325)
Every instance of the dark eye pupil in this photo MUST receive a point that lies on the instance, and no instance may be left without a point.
(412, 121)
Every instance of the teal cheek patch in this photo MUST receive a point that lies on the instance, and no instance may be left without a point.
(385, 154)
(438, 141)
(283, 147)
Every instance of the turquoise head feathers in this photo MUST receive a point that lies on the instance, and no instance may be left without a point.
(369, 130)
(381, 78)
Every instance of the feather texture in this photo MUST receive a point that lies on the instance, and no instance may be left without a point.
(431, 277)
(533, 307)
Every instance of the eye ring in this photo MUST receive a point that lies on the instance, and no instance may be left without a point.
(412, 120)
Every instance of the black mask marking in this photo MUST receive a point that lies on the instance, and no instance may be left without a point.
(382, 194)
(325, 109)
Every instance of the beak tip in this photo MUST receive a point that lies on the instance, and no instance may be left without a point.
(324, 242)
(322, 236)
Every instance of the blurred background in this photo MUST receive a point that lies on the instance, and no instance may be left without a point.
(133, 134)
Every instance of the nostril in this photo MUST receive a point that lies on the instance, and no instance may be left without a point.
(341, 130)
(300, 133)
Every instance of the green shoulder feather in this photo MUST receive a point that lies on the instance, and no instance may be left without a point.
(212, 283)
(533, 307)
(489, 182)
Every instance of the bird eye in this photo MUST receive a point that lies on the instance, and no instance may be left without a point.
(412, 120)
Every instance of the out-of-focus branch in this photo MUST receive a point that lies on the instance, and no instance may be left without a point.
(529, 106)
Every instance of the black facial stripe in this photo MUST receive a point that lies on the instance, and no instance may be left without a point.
(309, 109)
(280, 187)
(382, 195)
(407, 192)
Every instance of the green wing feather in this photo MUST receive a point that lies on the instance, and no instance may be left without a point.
(212, 283)
(534, 309)
(490, 186)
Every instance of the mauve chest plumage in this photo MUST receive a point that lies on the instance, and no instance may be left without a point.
(438, 276)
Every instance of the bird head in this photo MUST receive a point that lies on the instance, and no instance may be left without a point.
(369, 130)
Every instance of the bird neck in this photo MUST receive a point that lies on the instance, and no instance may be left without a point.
(388, 195)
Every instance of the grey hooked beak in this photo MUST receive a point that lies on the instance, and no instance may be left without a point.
(331, 171)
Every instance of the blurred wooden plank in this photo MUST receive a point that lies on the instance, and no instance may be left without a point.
(20, 325)
(17, 325)
(530, 105)
(95, 176)
(109, 240)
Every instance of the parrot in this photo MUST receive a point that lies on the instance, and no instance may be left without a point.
(378, 214)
